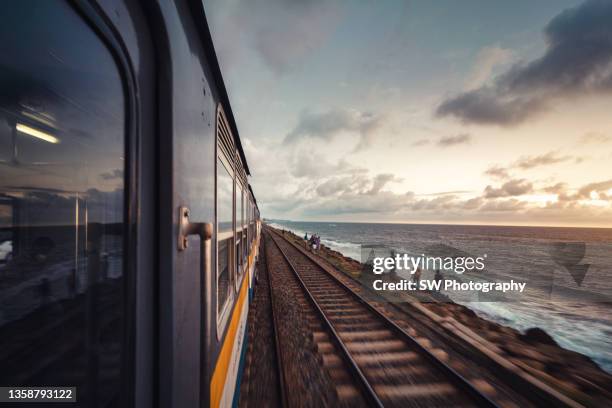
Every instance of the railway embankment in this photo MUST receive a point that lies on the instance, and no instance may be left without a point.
(534, 355)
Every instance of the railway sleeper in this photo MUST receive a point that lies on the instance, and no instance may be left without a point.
(348, 317)
(365, 334)
(394, 358)
(396, 373)
(376, 346)
(413, 391)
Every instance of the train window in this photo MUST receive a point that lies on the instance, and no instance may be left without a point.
(252, 223)
(239, 241)
(225, 235)
(225, 193)
(245, 224)
(247, 221)
(62, 158)
(243, 231)
(243, 234)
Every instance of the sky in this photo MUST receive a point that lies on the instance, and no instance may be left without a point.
(472, 112)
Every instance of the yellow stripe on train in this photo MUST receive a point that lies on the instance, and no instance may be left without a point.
(229, 354)
(231, 350)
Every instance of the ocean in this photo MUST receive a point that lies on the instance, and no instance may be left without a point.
(568, 272)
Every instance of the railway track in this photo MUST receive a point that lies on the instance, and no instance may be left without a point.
(369, 358)
(262, 378)
(303, 344)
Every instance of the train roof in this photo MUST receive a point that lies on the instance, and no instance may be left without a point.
(211, 54)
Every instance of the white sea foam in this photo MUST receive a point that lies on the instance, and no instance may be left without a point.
(348, 249)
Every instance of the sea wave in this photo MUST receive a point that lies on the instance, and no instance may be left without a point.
(347, 249)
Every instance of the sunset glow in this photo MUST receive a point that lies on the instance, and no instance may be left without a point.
(396, 112)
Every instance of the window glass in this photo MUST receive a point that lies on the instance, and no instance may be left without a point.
(239, 205)
(239, 240)
(249, 213)
(223, 277)
(245, 247)
(225, 215)
(238, 257)
(225, 192)
(62, 137)
(248, 220)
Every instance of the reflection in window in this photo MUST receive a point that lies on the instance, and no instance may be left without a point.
(61, 204)
(247, 221)
(223, 284)
(239, 210)
(245, 246)
(225, 236)
(251, 225)
(239, 240)
(225, 192)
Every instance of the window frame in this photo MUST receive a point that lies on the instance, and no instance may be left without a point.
(222, 313)
(228, 154)
(110, 36)
(96, 19)
(239, 231)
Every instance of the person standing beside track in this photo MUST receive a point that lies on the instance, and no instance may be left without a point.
(438, 277)
(417, 277)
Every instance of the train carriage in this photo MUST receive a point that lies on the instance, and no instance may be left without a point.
(128, 226)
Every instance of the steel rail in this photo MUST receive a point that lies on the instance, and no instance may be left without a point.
(279, 358)
(362, 381)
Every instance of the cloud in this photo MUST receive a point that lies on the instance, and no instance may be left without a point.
(556, 188)
(112, 175)
(380, 181)
(310, 164)
(601, 189)
(497, 172)
(342, 185)
(509, 189)
(511, 204)
(595, 137)
(282, 33)
(447, 193)
(420, 142)
(357, 194)
(382, 203)
(472, 203)
(529, 162)
(484, 106)
(454, 140)
(325, 125)
(445, 141)
(577, 61)
(359, 184)
(486, 61)
(445, 202)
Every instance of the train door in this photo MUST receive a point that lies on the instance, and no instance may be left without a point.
(186, 112)
(75, 287)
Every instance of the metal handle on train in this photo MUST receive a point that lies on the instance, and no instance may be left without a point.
(187, 228)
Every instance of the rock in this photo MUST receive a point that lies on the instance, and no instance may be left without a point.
(537, 335)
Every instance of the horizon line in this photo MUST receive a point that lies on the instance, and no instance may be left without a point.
(442, 223)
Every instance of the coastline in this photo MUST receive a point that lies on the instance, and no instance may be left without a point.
(533, 350)
(575, 316)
